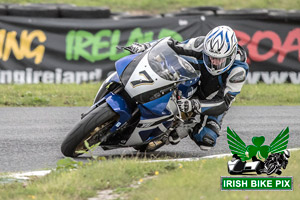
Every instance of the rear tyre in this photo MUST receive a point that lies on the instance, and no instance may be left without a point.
(98, 121)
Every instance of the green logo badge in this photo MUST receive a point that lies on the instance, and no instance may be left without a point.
(238, 146)
(265, 159)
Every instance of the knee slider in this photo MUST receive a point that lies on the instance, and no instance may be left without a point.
(206, 137)
(214, 126)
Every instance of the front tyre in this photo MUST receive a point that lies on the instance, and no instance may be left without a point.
(98, 122)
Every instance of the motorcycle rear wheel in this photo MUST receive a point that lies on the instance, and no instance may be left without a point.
(100, 119)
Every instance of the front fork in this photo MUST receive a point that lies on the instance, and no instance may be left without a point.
(182, 125)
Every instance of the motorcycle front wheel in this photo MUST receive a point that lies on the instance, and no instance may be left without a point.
(95, 124)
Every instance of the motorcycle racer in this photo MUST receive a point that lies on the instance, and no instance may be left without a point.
(223, 67)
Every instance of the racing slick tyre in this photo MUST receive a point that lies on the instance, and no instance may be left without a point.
(32, 10)
(96, 124)
(3, 10)
(84, 12)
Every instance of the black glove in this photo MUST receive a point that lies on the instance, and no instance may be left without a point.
(138, 48)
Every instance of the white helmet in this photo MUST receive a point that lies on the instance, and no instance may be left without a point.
(219, 51)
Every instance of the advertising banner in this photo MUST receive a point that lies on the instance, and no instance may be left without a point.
(60, 50)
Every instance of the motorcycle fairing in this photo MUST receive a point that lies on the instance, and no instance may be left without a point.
(107, 83)
(145, 123)
(137, 137)
(153, 114)
(191, 82)
(119, 105)
(114, 78)
(155, 119)
(154, 94)
(158, 106)
(144, 84)
(188, 88)
(149, 78)
(150, 134)
(123, 63)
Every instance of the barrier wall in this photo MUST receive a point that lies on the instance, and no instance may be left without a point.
(65, 48)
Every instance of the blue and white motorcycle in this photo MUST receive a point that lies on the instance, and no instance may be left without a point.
(136, 106)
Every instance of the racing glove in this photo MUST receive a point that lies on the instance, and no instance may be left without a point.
(186, 105)
(138, 48)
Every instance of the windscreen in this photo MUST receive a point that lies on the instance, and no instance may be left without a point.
(168, 65)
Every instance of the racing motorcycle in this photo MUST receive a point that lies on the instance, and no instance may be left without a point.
(136, 106)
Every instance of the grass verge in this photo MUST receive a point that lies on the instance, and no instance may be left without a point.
(48, 95)
(83, 95)
(86, 181)
(173, 180)
(201, 180)
(157, 6)
(269, 95)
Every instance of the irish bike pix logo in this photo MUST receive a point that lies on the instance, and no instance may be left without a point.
(268, 159)
(264, 159)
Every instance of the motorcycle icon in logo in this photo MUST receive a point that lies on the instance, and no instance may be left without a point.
(275, 155)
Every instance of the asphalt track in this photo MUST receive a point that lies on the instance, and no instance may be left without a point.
(30, 138)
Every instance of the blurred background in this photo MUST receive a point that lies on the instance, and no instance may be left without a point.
(73, 41)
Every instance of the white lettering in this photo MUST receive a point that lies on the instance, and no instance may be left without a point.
(244, 183)
(229, 183)
(48, 77)
(253, 77)
(278, 182)
(29, 75)
(295, 77)
(57, 76)
(37, 76)
(19, 76)
(253, 183)
(287, 183)
(68, 77)
(81, 77)
(262, 183)
(95, 75)
(6, 77)
(274, 77)
(269, 183)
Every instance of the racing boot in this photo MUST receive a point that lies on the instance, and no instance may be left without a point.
(174, 138)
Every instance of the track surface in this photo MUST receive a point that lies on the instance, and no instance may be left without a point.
(30, 138)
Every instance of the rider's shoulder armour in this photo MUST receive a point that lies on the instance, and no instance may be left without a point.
(237, 75)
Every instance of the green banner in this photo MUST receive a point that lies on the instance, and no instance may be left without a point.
(256, 183)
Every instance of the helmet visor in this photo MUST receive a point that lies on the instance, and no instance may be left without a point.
(218, 65)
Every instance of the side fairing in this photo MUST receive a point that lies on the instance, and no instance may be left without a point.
(155, 119)
(123, 63)
(158, 106)
(102, 90)
(144, 84)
